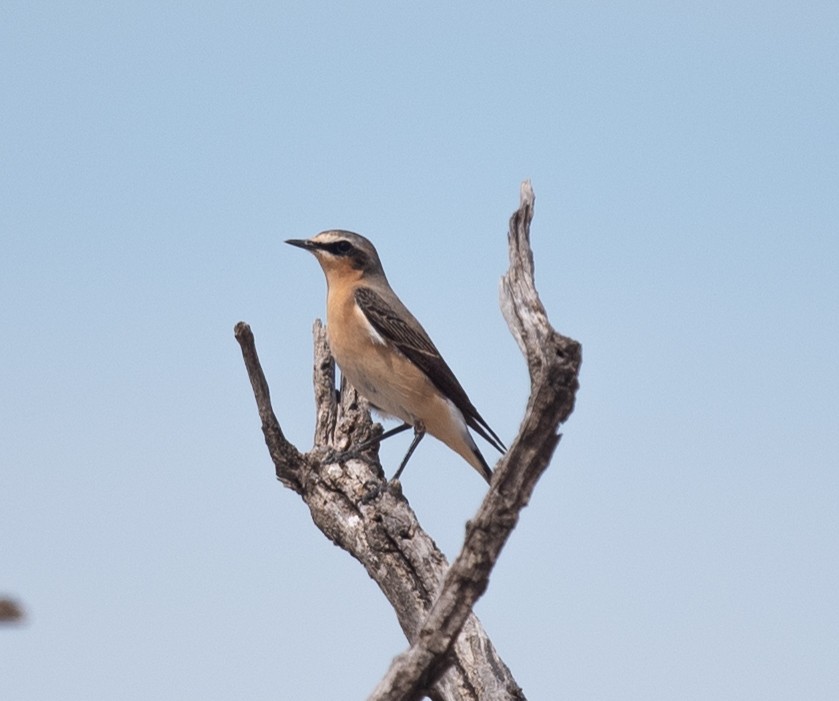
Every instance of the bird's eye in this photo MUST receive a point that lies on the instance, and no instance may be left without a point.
(343, 247)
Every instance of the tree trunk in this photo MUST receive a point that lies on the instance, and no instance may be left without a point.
(451, 658)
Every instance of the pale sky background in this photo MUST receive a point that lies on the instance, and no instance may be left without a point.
(685, 157)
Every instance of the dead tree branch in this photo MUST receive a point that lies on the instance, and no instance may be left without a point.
(352, 506)
(553, 361)
(451, 657)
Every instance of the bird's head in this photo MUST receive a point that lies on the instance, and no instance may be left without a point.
(342, 254)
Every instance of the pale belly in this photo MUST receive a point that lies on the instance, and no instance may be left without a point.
(397, 388)
(391, 383)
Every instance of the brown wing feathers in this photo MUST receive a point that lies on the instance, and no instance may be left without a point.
(418, 348)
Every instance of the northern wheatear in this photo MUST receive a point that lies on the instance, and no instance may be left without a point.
(386, 354)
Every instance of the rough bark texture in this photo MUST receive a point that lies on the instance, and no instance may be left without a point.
(451, 657)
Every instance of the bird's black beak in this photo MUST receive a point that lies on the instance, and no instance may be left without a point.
(302, 243)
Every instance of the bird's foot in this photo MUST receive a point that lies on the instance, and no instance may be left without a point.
(374, 489)
(338, 456)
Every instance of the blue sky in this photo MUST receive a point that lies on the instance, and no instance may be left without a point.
(685, 159)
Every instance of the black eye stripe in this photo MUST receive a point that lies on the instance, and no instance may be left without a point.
(339, 248)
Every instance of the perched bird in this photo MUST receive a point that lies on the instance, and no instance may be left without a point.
(384, 352)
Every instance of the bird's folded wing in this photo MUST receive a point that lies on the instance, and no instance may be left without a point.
(413, 342)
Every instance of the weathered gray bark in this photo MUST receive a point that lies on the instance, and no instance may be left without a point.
(451, 657)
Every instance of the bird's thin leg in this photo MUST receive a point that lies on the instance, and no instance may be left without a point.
(419, 432)
(355, 450)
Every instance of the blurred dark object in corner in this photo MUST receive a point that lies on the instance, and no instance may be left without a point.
(10, 611)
